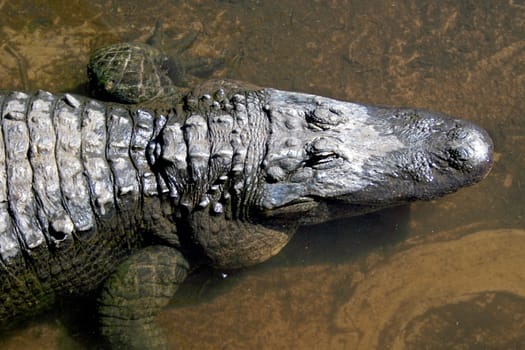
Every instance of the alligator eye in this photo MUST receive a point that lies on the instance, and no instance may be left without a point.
(322, 152)
(321, 161)
(324, 118)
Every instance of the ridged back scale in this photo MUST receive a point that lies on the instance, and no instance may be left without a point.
(75, 188)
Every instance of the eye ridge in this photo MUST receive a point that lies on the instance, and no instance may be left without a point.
(323, 119)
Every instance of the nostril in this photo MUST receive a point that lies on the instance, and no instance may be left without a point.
(458, 158)
(470, 149)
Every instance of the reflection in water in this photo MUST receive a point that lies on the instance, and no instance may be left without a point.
(398, 303)
(424, 287)
(493, 320)
(427, 293)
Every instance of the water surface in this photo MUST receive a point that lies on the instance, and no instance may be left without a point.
(442, 274)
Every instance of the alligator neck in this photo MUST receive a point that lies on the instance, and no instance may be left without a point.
(211, 150)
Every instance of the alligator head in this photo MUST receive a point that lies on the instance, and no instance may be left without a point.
(251, 164)
(329, 159)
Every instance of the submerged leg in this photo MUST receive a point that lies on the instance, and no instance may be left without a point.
(133, 296)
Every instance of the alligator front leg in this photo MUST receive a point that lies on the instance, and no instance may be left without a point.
(133, 296)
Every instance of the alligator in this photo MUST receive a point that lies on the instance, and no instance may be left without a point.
(125, 199)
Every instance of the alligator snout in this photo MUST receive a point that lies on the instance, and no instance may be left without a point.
(375, 157)
(470, 150)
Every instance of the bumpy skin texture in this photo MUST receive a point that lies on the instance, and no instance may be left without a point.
(75, 191)
(223, 175)
(128, 306)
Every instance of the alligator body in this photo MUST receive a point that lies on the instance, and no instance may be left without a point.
(130, 196)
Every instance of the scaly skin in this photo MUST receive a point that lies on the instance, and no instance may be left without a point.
(93, 191)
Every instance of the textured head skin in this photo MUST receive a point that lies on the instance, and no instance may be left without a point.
(251, 164)
(328, 158)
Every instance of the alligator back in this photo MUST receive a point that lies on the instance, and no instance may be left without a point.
(73, 181)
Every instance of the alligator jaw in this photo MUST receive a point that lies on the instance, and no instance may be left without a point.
(363, 158)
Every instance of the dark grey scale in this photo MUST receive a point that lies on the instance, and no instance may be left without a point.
(99, 176)
(9, 243)
(153, 152)
(172, 149)
(249, 120)
(238, 138)
(238, 142)
(226, 201)
(257, 124)
(67, 118)
(220, 125)
(142, 131)
(19, 172)
(55, 221)
(220, 192)
(126, 182)
(198, 144)
(195, 135)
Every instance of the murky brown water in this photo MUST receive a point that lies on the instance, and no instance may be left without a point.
(442, 274)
